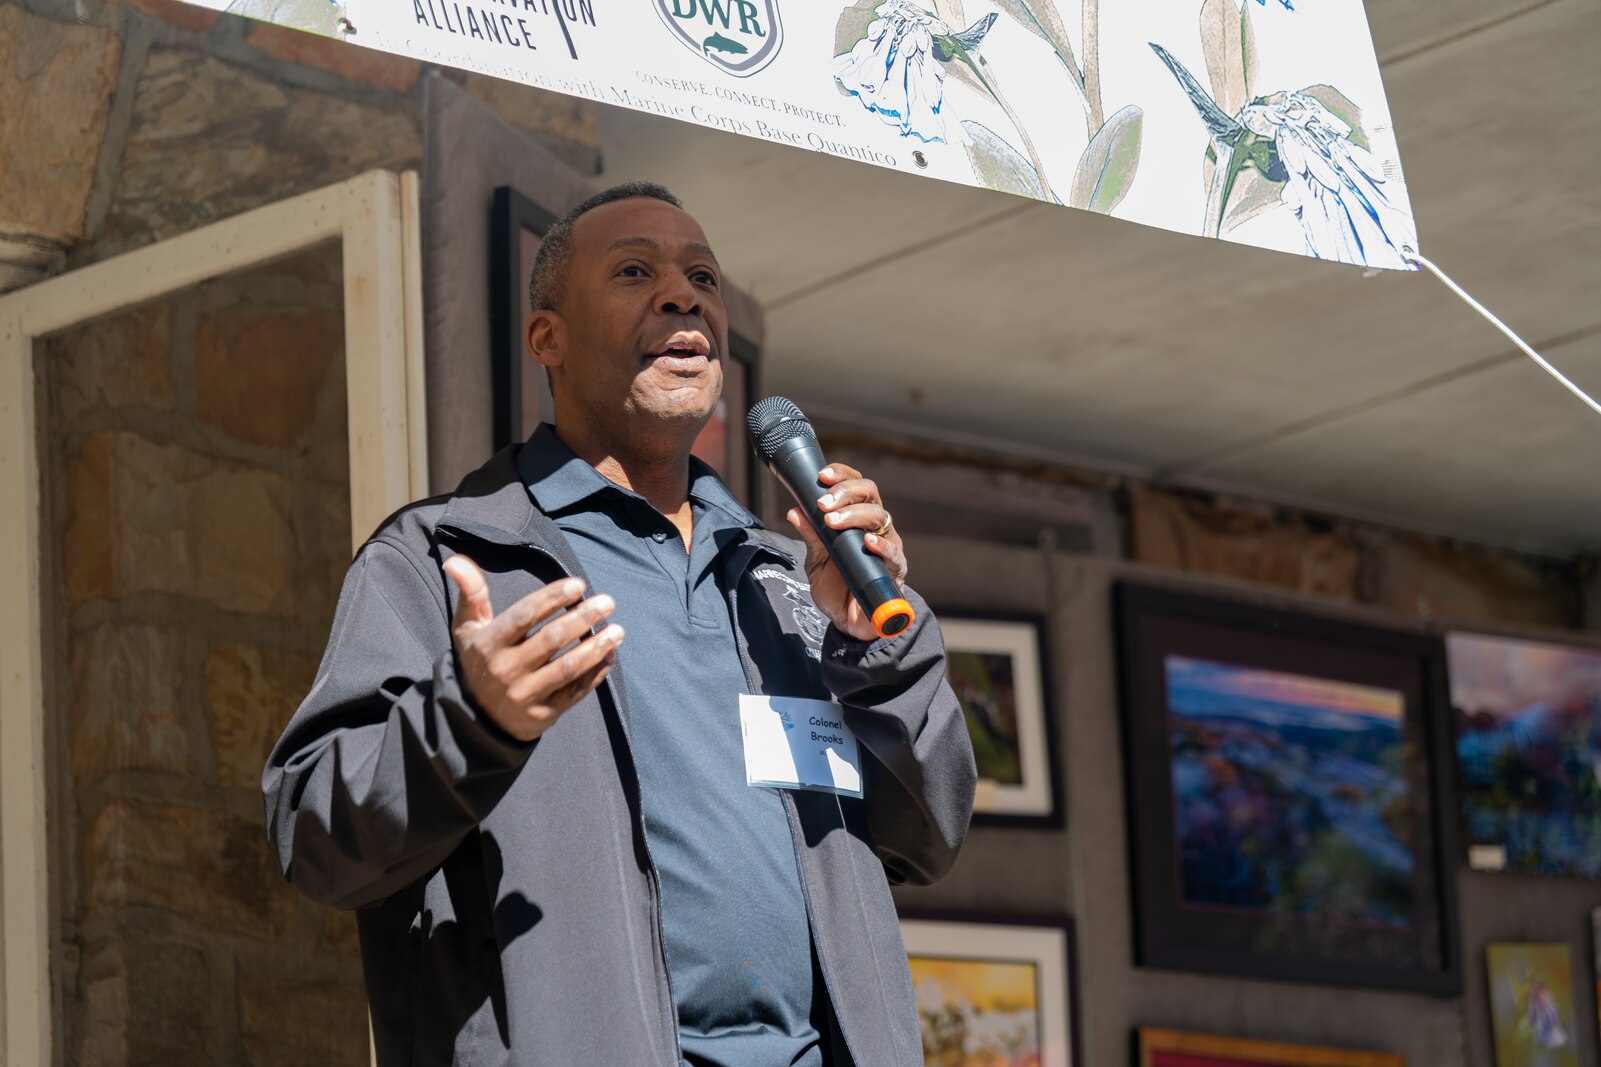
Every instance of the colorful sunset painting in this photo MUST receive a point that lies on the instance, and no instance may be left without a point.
(1528, 741)
(977, 1013)
(1290, 794)
(1531, 1005)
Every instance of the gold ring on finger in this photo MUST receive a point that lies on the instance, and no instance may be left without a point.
(883, 527)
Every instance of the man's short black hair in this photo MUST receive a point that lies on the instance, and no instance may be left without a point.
(547, 282)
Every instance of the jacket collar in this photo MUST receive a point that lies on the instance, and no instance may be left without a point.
(492, 504)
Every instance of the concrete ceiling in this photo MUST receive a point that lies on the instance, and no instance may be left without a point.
(1036, 329)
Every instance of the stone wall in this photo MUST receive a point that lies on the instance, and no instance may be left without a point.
(126, 122)
(199, 476)
(197, 500)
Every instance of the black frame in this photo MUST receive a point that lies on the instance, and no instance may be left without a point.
(511, 214)
(1153, 623)
(1056, 818)
(1066, 923)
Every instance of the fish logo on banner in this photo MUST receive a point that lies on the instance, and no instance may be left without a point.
(738, 36)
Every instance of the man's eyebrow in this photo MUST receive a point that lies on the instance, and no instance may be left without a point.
(695, 248)
(632, 242)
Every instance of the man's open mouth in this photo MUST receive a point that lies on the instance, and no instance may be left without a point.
(685, 351)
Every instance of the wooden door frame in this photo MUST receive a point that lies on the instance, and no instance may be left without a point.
(375, 217)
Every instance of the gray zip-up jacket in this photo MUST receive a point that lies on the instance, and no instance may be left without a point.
(507, 902)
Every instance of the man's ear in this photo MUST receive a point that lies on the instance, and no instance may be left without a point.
(544, 335)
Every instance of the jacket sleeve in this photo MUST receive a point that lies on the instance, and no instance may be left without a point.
(918, 773)
(386, 766)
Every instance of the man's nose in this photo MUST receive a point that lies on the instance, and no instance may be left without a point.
(677, 295)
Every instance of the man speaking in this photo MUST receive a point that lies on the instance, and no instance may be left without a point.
(532, 778)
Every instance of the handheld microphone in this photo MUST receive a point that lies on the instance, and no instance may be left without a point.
(787, 445)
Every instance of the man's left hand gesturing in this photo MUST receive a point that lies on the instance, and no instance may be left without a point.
(850, 503)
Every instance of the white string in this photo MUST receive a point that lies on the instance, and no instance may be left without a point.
(1421, 260)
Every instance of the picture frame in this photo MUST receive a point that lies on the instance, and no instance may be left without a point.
(1177, 1048)
(521, 400)
(522, 396)
(1533, 1011)
(990, 986)
(999, 666)
(1523, 712)
(1595, 957)
(1289, 799)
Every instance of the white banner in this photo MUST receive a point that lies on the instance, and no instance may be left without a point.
(1262, 121)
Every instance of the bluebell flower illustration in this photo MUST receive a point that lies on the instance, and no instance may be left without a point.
(1335, 188)
(894, 72)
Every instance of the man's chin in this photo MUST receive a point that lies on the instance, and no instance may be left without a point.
(686, 409)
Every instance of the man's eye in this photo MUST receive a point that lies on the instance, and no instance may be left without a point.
(632, 272)
(704, 277)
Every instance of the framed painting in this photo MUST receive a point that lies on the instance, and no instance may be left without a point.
(522, 395)
(994, 992)
(997, 666)
(1595, 956)
(1531, 1004)
(1287, 818)
(520, 389)
(1174, 1048)
(1528, 749)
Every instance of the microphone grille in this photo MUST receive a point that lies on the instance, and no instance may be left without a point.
(774, 420)
(768, 410)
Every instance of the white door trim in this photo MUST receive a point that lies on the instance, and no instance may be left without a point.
(375, 216)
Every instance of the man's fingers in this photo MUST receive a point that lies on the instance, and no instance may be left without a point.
(543, 685)
(473, 605)
(558, 633)
(891, 552)
(853, 491)
(804, 528)
(835, 473)
(513, 624)
(585, 684)
(858, 517)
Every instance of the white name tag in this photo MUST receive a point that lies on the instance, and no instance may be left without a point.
(795, 743)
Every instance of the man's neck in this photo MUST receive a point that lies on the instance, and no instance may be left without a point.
(661, 476)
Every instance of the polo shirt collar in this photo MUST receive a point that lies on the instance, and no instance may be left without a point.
(558, 480)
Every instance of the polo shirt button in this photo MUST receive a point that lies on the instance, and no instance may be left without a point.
(658, 536)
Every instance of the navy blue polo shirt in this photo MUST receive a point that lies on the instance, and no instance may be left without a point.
(739, 951)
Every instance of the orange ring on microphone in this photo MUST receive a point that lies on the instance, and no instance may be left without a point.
(892, 617)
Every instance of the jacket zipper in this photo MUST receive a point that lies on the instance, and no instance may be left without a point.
(650, 860)
(792, 817)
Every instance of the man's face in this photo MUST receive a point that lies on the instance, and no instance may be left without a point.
(642, 331)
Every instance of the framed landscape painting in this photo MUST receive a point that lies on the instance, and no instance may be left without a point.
(1287, 818)
(1173, 1048)
(993, 993)
(1528, 747)
(996, 665)
(1531, 1004)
